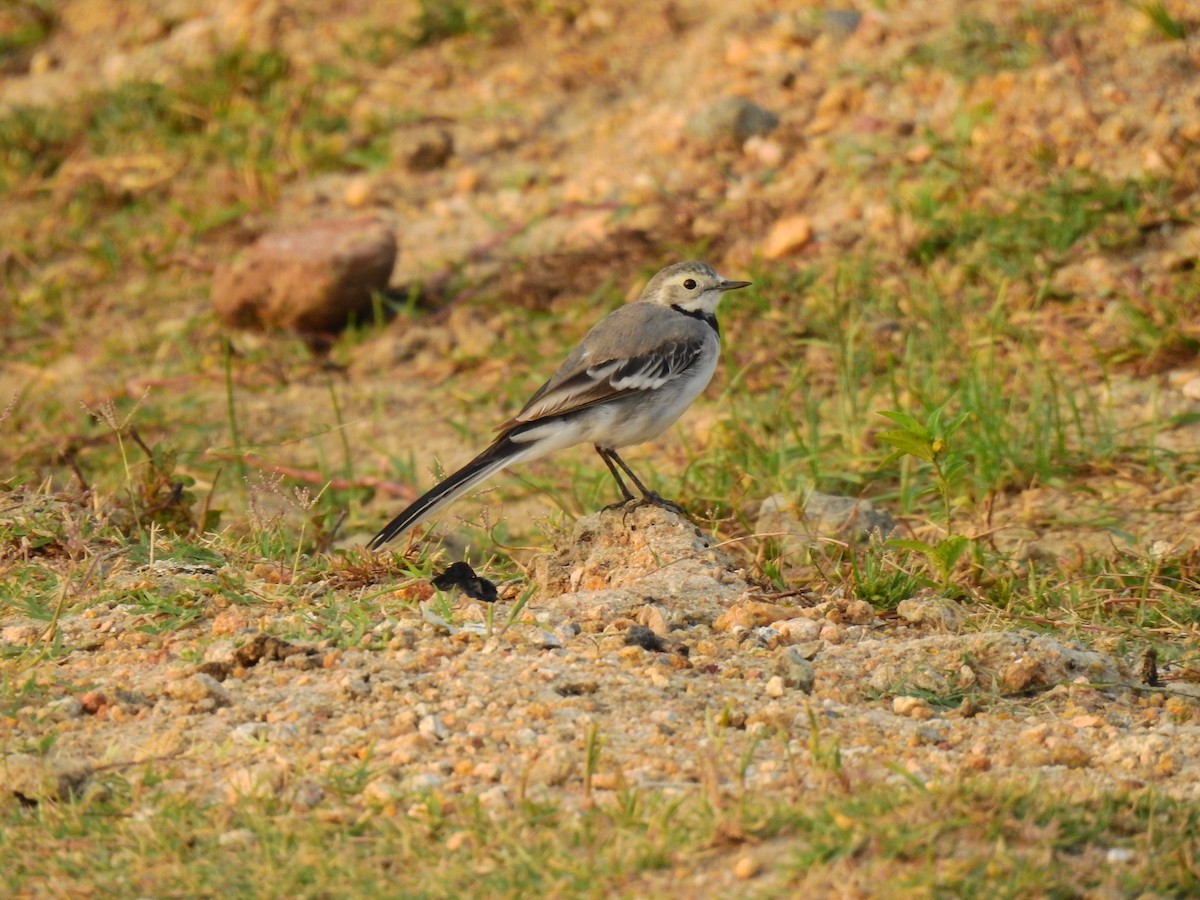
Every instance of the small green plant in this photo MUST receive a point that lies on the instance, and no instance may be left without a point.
(516, 609)
(439, 20)
(929, 442)
(33, 143)
(1166, 24)
(879, 576)
(349, 781)
(153, 494)
(442, 606)
(164, 614)
(977, 47)
(826, 755)
(28, 23)
(593, 745)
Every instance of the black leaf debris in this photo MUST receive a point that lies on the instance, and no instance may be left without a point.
(460, 575)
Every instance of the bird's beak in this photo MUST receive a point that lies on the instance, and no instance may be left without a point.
(732, 285)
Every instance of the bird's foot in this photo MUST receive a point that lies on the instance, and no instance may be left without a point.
(649, 499)
(653, 499)
(621, 504)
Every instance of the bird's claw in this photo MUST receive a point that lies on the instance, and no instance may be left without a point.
(663, 503)
(650, 499)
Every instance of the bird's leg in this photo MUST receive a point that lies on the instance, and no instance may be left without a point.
(627, 495)
(649, 496)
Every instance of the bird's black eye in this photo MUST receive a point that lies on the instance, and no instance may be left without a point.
(690, 284)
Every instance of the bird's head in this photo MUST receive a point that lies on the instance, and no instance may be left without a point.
(693, 286)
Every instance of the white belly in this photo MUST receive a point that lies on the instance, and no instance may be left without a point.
(634, 423)
(638, 417)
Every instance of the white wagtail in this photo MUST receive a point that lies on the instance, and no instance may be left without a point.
(630, 377)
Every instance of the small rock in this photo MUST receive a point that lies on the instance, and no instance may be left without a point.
(1022, 674)
(831, 633)
(841, 22)
(794, 670)
(200, 689)
(919, 154)
(787, 236)
(798, 631)
(18, 635)
(652, 617)
(41, 62)
(769, 153)
(358, 192)
(426, 781)
(431, 726)
(936, 611)
(311, 279)
(746, 867)
(1069, 755)
(308, 794)
(495, 797)
(424, 148)
(92, 702)
(237, 837)
(467, 180)
(1182, 706)
(554, 766)
(486, 770)
(752, 614)
(911, 673)
(262, 780)
(382, 790)
(1191, 389)
(221, 652)
(821, 516)
(859, 612)
(764, 636)
(250, 732)
(231, 621)
(978, 763)
(65, 707)
(303, 661)
(774, 687)
(967, 678)
(355, 686)
(927, 734)
(567, 631)
(457, 841)
(731, 120)
(913, 707)
(1035, 734)
(809, 649)
(1167, 765)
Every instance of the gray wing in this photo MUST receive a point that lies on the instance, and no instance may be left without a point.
(621, 356)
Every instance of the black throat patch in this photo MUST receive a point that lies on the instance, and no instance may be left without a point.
(705, 317)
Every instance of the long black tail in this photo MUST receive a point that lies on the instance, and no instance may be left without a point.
(504, 452)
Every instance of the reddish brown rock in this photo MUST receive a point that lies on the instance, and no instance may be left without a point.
(93, 701)
(312, 279)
